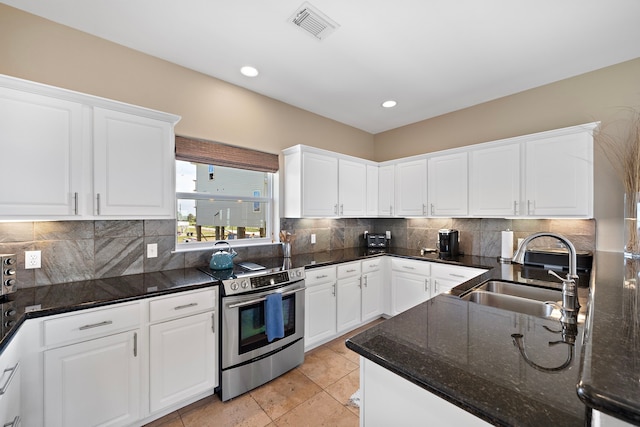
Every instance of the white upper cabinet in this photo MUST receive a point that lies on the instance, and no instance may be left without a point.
(386, 190)
(41, 145)
(372, 190)
(352, 188)
(559, 175)
(494, 181)
(411, 188)
(319, 183)
(448, 185)
(128, 150)
(65, 151)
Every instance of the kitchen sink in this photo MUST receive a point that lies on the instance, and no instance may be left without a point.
(520, 298)
(521, 290)
(510, 303)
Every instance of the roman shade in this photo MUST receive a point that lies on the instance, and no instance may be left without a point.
(218, 154)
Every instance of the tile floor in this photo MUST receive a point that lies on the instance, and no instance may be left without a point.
(317, 393)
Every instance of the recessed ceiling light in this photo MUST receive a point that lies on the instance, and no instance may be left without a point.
(389, 104)
(249, 71)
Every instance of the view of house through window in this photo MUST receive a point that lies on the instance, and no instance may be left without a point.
(221, 203)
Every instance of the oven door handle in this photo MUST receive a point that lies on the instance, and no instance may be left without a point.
(253, 301)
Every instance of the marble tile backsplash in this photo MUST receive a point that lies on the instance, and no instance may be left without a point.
(477, 236)
(85, 250)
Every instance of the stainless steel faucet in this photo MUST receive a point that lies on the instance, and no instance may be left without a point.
(570, 304)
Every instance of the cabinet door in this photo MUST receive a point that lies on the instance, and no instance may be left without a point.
(10, 378)
(134, 162)
(93, 383)
(182, 360)
(41, 146)
(411, 188)
(559, 171)
(372, 288)
(494, 181)
(386, 190)
(372, 190)
(352, 188)
(319, 185)
(349, 310)
(408, 290)
(448, 187)
(320, 313)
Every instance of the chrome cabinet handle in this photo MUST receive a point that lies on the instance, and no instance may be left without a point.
(322, 276)
(341, 209)
(426, 285)
(390, 210)
(75, 203)
(335, 209)
(424, 209)
(351, 270)
(213, 322)
(334, 290)
(436, 288)
(96, 325)
(457, 275)
(98, 204)
(181, 307)
(135, 344)
(528, 207)
(432, 207)
(515, 207)
(365, 281)
(13, 371)
(408, 267)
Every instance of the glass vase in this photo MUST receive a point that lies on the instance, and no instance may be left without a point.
(631, 223)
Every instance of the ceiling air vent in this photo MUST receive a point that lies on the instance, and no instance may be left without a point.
(313, 21)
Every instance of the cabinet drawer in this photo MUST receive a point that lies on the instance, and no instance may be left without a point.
(316, 276)
(87, 325)
(451, 272)
(349, 269)
(369, 265)
(410, 266)
(182, 304)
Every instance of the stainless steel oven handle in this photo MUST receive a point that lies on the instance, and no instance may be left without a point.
(253, 301)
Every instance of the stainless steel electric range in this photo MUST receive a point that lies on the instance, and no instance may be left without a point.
(247, 358)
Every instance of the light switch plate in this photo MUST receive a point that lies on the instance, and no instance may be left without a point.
(313, 239)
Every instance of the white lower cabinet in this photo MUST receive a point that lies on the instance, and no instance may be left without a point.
(183, 360)
(10, 387)
(320, 306)
(93, 383)
(372, 289)
(410, 284)
(349, 296)
(445, 277)
(390, 400)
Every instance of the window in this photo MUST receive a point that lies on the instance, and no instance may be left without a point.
(217, 201)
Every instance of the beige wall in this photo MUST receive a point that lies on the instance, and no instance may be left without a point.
(595, 96)
(35, 49)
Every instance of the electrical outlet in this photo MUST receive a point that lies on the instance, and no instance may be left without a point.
(152, 250)
(32, 259)
(313, 239)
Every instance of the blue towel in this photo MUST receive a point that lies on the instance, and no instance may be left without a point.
(274, 322)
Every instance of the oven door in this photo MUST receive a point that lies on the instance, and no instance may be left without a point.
(243, 327)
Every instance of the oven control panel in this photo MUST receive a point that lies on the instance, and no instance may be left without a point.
(251, 283)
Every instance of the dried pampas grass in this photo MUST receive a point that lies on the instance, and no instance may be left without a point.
(620, 142)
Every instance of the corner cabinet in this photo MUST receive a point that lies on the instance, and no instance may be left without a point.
(82, 157)
(319, 183)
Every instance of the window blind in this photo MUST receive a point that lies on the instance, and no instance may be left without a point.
(218, 154)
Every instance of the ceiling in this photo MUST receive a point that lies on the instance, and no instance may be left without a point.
(431, 56)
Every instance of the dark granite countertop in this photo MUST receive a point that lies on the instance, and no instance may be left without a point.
(610, 377)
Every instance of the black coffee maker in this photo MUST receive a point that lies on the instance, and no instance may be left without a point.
(448, 243)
